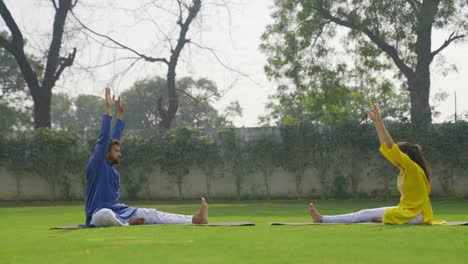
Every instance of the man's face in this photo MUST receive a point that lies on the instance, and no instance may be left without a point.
(113, 156)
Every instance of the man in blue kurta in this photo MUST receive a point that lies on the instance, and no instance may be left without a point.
(103, 183)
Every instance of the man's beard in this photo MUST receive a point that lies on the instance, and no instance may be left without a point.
(115, 162)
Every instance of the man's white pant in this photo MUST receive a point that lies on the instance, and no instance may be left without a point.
(365, 215)
(106, 217)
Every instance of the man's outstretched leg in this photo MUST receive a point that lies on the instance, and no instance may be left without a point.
(315, 214)
(153, 216)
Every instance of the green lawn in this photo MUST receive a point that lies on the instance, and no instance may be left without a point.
(25, 238)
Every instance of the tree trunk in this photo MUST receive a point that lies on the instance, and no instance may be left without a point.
(54, 65)
(421, 115)
(42, 102)
(18, 179)
(420, 83)
(168, 116)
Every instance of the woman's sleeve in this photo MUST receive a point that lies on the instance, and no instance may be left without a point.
(395, 156)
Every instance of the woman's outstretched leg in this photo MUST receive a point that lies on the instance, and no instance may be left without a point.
(366, 215)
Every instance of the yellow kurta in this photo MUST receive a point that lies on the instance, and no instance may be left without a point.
(413, 186)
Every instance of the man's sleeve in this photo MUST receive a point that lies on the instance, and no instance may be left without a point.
(103, 141)
(118, 129)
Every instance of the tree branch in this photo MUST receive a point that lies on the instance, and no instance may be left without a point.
(146, 58)
(414, 5)
(180, 12)
(55, 45)
(167, 116)
(82, 67)
(389, 50)
(64, 63)
(218, 59)
(16, 34)
(453, 36)
(16, 48)
(54, 4)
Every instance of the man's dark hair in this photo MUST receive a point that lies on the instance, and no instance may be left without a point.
(113, 143)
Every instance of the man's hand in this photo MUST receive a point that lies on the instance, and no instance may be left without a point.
(120, 109)
(377, 219)
(109, 102)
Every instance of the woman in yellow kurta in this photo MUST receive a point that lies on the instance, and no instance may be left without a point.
(413, 183)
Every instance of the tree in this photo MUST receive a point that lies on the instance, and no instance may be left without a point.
(333, 104)
(296, 150)
(237, 160)
(179, 152)
(195, 104)
(265, 155)
(50, 152)
(40, 86)
(82, 113)
(89, 112)
(15, 159)
(12, 119)
(186, 13)
(11, 81)
(61, 111)
(386, 36)
(208, 160)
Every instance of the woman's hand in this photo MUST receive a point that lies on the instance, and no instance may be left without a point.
(374, 114)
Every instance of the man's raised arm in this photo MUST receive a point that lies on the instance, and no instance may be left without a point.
(103, 141)
(119, 125)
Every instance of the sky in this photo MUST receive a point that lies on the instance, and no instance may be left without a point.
(231, 30)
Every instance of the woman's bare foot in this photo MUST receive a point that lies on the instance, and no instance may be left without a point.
(136, 221)
(202, 216)
(315, 215)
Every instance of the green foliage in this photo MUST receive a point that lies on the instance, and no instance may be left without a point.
(237, 160)
(338, 56)
(138, 160)
(12, 82)
(180, 149)
(89, 111)
(296, 151)
(339, 156)
(12, 119)
(196, 98)
(340, 184)
(61, 113)
(265, 152)
(208, 159)
(50, 154)
(14, 155)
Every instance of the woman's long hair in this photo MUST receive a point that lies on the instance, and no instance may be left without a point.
(415, 153)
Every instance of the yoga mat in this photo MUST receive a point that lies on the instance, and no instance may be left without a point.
(244, 223)
(452, 223)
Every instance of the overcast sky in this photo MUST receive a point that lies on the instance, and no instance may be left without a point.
(233, 32)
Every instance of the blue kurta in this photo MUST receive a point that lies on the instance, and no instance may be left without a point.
(102, 180)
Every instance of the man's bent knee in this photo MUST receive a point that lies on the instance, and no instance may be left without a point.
(103, 217)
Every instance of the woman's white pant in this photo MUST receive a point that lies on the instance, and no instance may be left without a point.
(365, 215)
(106, 217)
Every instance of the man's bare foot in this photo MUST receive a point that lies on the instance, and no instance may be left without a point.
(202, 216)
(315, 215)
(136, 221)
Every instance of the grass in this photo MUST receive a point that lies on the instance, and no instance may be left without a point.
(25, 238)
